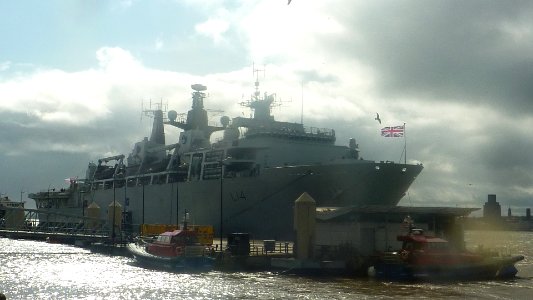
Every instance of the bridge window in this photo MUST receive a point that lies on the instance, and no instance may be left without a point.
(119, 183)
(132, 182)
(145, 180)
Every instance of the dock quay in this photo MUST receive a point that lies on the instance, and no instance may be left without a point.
(243, 254)
(327, 240)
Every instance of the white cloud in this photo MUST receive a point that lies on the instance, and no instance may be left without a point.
(115, 59)
(214, 29)
(298, 43)
(276, 29)
(79, 98)
(52, 94)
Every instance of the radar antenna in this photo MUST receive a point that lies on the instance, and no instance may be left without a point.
(256, 75)
(153, 107)
(261, 106)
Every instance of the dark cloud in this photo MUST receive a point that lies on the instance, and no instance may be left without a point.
(507, 160)
(39, 154)
(475, 51)
(24, 133)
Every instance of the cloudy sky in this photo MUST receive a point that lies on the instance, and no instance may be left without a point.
(75, 76)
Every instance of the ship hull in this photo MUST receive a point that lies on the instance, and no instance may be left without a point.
(260, 205)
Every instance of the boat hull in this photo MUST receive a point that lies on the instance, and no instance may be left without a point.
(489, 268)
(179, 263)
(260, 205)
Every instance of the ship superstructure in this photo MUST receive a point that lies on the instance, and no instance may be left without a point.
(252, 174)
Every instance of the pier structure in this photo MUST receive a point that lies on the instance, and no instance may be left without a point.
(35, 224)
(328, 240)
(346, 240)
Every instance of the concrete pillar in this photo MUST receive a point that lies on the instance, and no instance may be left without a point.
(93, 211)
(117, 211)
(304, 225)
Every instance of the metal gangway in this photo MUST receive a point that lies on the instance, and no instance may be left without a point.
(19, 222)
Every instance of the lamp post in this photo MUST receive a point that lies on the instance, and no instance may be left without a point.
(113, 225)
(126, 204)
(222, 161)
(221, 202)
(142, 182)
(82, 199)
(177, 202)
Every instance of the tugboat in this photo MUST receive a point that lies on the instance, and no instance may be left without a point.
(175, 250)
(424, 257)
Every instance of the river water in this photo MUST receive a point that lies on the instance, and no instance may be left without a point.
(38, 270)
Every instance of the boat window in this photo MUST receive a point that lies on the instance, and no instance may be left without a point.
(160, 179)
(163, 239)
(132, 182)
(145, 180)
(97, 185)
(412, 246)
(172, 178)
(119, 183)
(438, 246)
(185, 159)
(187, 239)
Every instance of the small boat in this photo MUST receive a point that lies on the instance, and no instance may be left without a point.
(432, 258)
(175, 250)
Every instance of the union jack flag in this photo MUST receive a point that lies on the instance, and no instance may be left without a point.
(394, 131)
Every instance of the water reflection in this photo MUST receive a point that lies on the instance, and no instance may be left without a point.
(37, 270)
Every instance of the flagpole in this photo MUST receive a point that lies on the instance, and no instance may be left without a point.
(405, 144)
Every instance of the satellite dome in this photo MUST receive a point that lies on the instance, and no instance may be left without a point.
(172, 115)
(224, 120)
(199, 87)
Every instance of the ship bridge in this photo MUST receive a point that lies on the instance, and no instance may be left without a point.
(284, 130)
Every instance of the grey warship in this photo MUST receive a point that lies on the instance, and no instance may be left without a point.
(246, 181)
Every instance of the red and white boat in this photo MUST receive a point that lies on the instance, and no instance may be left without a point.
(178, 249)
(429, 257)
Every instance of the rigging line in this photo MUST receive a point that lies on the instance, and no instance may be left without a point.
(401, 155)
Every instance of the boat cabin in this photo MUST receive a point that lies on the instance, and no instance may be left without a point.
(173, 243)
(421, 249)
(418, 241)
(178, 237)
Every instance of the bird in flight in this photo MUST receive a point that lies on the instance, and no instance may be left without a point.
(377, 118)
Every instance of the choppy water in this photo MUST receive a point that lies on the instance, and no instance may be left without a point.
(37, 270)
